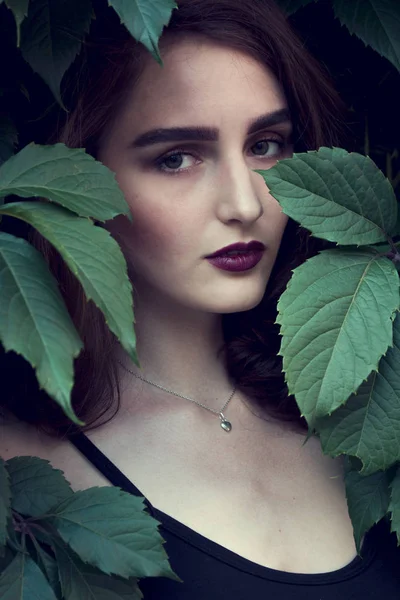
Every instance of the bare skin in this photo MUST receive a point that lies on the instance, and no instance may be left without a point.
(256, 491)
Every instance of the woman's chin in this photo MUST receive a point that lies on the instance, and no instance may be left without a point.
(238, 305)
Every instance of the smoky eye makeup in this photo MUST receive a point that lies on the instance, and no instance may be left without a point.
(198, 153)
(185, 157)
(267, 139)
(172, 161)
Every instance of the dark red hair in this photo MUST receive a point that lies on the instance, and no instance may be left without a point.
(111, 61)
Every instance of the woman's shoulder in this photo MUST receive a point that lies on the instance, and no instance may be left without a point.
(22, 439)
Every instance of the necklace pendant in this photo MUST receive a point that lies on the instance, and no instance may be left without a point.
(226, 425)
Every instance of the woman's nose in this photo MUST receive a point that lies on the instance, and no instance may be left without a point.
(240, 194)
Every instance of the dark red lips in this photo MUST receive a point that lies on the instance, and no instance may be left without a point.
(237, 257)
(240, 246)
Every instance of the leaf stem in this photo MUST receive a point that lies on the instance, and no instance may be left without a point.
(16, 515)
(39, 528)
(394, 255)
(391, 242)
(34, 541)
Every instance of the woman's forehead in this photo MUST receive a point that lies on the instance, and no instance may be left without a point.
(201, 84)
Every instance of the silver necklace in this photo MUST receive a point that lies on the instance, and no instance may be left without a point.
(225, 424)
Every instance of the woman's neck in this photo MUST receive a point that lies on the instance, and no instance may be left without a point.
(179, 349)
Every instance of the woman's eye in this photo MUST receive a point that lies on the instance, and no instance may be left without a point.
(179, 161)
(267, 148)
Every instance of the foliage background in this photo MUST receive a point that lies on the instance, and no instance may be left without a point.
(368, 84)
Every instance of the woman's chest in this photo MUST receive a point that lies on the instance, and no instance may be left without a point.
(275, 503)
(297, 524)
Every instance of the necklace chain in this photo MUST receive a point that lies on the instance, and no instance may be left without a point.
(224, 423)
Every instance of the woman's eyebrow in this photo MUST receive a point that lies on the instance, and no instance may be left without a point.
(206, 134)
(277, 117)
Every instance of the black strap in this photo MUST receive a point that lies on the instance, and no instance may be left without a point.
(105, 466)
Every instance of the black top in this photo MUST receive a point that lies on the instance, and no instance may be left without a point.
(211, 572)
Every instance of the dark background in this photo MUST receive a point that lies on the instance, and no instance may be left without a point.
(368, 83)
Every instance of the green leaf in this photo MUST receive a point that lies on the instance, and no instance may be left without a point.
(35, 485)
(80, 581)
(93, 256)
(67, 176)
(145, 20)
(338, 196)
(8, 139)
(375, 22)
(34, 319)
(23, 580)
(394, 506)
(367, 500)
(48, 566)
(336, 323)
(52, 35)
(291, 6)
(368, 425)
(5, 503)
(19, 9)
(14, 540)
(108, 528)
(8, 555)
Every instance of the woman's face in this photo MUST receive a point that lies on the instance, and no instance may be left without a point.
(184, 149)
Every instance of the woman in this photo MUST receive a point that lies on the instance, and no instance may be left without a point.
(204, 429)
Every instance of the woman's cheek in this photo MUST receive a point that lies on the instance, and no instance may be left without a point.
(165, 214)
(153, 232)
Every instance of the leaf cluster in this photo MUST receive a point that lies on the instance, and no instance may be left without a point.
(80, 194)
(33, 315)
(375, 22)
(57, 544)
(49, 33)
(340, 324)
